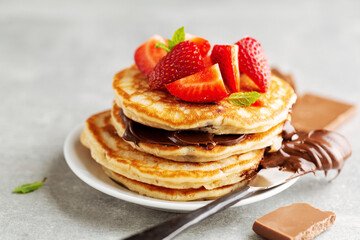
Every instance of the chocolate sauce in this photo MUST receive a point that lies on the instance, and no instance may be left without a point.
(136, 132)
(288, 131)
(316, 150)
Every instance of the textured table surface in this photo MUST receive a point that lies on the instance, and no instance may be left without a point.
(57, 59)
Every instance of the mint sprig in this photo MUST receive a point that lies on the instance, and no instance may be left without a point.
(243, 99)
(29, 187)
(178, 37)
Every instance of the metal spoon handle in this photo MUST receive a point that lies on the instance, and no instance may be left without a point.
(174, 226)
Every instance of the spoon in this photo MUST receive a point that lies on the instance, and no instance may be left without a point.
(299, 154)
(264, 179)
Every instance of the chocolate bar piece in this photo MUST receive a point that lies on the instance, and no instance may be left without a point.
(296, 221)
(312, 112)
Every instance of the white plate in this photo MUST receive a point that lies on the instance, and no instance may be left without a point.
(80, 162)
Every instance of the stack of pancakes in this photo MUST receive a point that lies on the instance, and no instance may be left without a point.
(159, 146)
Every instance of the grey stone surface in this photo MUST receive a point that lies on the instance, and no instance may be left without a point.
(57, 59)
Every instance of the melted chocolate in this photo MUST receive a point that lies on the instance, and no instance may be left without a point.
(316, 150)
(136, 132)
(288, 131)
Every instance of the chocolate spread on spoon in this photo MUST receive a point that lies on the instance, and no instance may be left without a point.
(316, 150)
(136, 132)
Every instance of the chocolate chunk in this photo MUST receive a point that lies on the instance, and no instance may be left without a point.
(296, 221)
(312, 112)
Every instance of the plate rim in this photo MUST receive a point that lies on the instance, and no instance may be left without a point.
(126, 195)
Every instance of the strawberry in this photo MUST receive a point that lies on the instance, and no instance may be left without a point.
(227, 57)
(203, 44)
(207, 61)
(258, 103)
(202, 87)
(253, 62)
(183, 60)
(147, 55)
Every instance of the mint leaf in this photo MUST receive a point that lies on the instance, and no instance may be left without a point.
(243, 99)
(161, 45)
(178, 37)
(29, 187)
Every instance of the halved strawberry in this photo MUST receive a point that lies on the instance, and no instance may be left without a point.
(227, 57)
(147, 55)
(183, 60)
(202, 87)
(253, 62)
(203, 44)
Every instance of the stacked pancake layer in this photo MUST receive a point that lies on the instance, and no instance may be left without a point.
(158, 166)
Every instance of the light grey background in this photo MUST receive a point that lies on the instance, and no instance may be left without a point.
(57, 59)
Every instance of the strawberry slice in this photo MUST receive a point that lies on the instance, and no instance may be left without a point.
(202, 87)
(183, 60)
(258, 103)
(227, 57)
(203, 44)
(253, 62)
(147, 55)
(207, 61)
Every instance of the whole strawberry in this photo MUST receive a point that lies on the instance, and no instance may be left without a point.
(253, 62)
(183, 60)
(147, 55)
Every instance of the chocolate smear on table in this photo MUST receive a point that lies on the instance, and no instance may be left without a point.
(136, 132)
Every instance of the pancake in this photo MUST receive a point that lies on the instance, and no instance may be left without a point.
(108, 149)
(172, 194)
(159, 109)
(271, 137)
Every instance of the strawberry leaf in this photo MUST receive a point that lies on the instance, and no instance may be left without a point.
(243, 99)
(29, 187)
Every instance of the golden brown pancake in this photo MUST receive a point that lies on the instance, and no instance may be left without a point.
(159, 109)
(108, 149)
(172, 194)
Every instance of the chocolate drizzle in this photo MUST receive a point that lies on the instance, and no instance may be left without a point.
(309, 152)
(136, 132)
